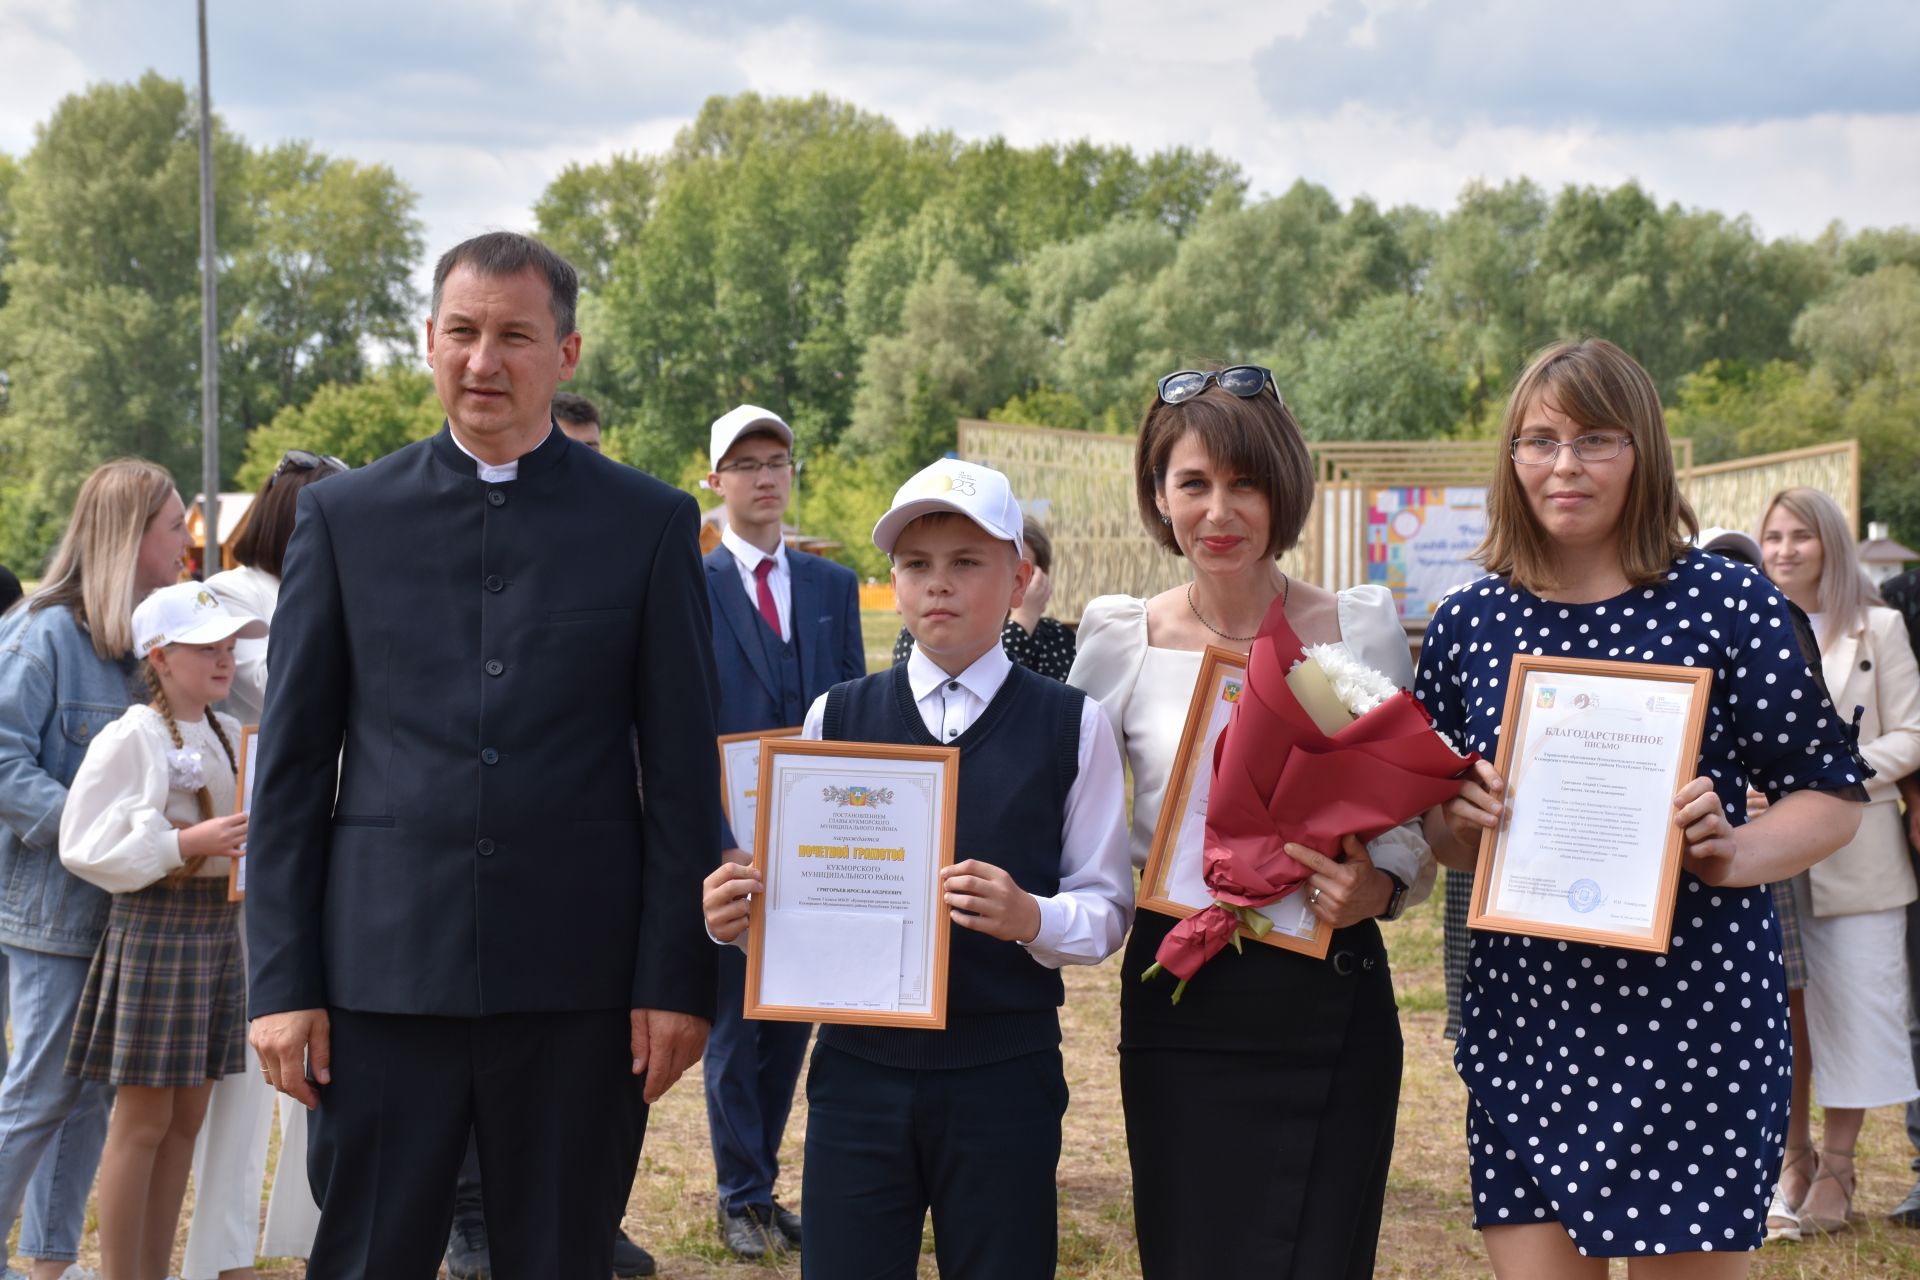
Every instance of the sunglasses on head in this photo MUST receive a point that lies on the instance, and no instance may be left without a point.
(1243, 380)
(301, 460)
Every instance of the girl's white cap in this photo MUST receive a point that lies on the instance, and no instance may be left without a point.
(188, 613)
(979, 493)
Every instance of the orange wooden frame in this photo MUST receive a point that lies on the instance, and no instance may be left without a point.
(945, 761)
(1193, 761)
(1698, 682)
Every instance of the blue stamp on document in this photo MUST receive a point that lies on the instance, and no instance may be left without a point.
(1584, 896)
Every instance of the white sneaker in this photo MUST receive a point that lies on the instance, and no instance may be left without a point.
(1782, 1222)
(77, 1272)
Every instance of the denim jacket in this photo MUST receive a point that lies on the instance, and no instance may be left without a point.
(56, 695)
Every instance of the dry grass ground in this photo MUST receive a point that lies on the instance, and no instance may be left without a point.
(1427, 1233)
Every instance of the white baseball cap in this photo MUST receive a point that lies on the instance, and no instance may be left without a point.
(1734, 543)
(734, 423)
(977, 492)
(188, 613)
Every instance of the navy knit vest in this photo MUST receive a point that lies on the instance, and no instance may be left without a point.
(783, 659)
(1018, 760)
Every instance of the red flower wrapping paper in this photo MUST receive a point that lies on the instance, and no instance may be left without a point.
(1277, 779)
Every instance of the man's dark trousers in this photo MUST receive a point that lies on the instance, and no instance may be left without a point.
(510, 1080)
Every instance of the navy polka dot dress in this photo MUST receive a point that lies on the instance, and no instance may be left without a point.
(1640, 1100)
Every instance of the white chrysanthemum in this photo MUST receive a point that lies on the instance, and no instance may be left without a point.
(1358, 686)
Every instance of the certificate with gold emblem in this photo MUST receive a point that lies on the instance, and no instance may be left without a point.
(1592, 753)
(849, 841)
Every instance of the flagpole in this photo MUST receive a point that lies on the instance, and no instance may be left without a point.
(209, 330)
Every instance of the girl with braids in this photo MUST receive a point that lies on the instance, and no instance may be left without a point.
(150, 819)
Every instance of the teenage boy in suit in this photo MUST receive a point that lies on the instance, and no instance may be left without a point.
(786, 627)
(965, 1121)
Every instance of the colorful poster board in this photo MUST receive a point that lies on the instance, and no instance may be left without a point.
(1419, 540)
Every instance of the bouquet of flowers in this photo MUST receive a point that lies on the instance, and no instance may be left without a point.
(1319, 747)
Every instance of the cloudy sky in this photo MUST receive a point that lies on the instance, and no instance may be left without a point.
(1793, 113)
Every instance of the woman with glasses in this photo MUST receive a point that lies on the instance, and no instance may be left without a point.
(1628, 1103)
(1260, 1108)
(1851, 906)
(230, 1159)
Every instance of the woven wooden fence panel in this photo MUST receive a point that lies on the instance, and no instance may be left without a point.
(1734, 495)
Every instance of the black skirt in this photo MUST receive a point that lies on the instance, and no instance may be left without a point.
(1260, 1109)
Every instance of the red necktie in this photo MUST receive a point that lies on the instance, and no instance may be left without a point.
(761, 572)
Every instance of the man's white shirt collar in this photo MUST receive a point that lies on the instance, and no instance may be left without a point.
(488, 472)
(749, 555)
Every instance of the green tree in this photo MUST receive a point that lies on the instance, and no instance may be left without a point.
(962, 350)
(1868, 328)
(733, 291)
(590, 212)
(1382, 375)
(101, 327)
(9, 179)
(355, 422)
(100, 331)
(321, 280)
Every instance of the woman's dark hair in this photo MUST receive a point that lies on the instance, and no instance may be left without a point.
(262, 541)
(1255, 438)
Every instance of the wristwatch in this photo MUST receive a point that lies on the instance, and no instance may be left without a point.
(1398, 900)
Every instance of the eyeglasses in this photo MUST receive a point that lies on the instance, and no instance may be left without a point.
(1243, 380)
(301, 460)
(749, 468)
(1537, 451)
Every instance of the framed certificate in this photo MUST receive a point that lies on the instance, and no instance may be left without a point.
(1172, 883)
(248, 752)
(1592, 753)
(849, 927)
(740, 779)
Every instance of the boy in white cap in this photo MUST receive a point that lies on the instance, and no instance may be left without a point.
(786, 628)
(965, 1121)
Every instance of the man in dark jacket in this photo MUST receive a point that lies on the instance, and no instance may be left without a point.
(462, 917)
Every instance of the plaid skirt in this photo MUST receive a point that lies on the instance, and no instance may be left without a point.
(165, 1002)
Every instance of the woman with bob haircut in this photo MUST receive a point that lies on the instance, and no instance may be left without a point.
(1290, 1063)
(230, 1158)
(1626, 1103)
(1852, 905)
(67, 671)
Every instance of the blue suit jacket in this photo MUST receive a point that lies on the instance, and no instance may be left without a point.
(826, 628)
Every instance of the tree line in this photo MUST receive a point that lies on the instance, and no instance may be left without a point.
(875, 286)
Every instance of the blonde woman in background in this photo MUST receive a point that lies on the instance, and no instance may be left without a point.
(67, 671)
(1851, 905)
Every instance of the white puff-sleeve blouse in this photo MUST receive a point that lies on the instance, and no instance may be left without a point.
(117, 830)
(1145, 692)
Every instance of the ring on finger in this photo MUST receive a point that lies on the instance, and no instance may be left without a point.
(1313, 899)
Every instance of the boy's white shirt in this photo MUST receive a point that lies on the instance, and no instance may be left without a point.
(747, 558)
(1087, 920)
